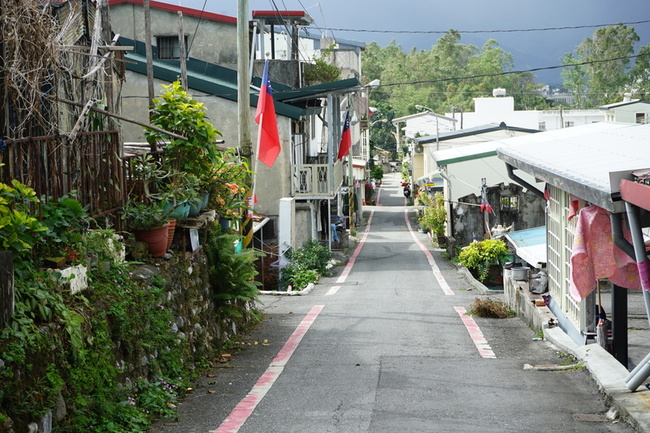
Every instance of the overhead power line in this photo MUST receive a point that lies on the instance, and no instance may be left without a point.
(543, 29)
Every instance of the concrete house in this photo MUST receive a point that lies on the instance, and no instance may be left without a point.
(628, 111)
(306, 185)
(501, 108)
(467, 171)
(589, 227)
(426, 146)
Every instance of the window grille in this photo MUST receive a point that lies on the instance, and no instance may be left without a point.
(168, 47)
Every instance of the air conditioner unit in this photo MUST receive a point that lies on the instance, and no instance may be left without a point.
(419, 148)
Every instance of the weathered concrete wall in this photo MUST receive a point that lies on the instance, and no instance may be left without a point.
(212, 40)
(468, 218)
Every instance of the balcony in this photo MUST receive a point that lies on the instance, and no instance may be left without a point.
(313, 181)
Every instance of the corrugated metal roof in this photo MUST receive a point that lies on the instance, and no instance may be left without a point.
(579, 160)
(465, 153)
(530, 244)
(470, 132)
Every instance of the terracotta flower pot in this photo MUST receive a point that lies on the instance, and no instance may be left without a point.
(156, 239)
(170, 232)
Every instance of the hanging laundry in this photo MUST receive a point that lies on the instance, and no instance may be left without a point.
(595, 256)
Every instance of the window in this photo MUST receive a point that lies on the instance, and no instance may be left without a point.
(168, 47)
(510, 203)
(641, 118)
(542, 126)
(568, 124)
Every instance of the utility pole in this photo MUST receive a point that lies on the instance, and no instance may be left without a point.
(109, 88)
(243, 106)
(243, 80)
(149, 54)
(148, 50)
(183, 52)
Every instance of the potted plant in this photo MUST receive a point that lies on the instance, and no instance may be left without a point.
(179, 194)
(479, 256)
(148, 222)
(176, 111)
(228, 186)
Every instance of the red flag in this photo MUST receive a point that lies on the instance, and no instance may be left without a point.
(268, 138)
(485, 205)
(346, 139)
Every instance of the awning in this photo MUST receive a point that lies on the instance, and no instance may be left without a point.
(431, 180)
(530, 244)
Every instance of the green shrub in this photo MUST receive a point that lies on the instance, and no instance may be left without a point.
(434, 215)
(479, 256)
(232, 274)
(377, 173)
(306, 265)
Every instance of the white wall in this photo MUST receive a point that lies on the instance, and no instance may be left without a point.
(502, 109)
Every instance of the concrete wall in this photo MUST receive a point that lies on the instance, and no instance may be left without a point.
(212, 41)
(468, 218)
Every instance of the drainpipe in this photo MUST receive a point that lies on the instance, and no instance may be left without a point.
(520, 181)
(617, 234)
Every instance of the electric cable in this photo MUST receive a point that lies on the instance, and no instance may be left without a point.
(542, 29)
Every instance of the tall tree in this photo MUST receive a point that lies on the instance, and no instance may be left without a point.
(575, 79)
(640, 74)
(438, 78)
(607, 79)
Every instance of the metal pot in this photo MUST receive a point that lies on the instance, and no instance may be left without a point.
(520, 273)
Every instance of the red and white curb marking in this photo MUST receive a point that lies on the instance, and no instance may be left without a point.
(245, 408)
(475, 334)
(434, 267)
(350, 264)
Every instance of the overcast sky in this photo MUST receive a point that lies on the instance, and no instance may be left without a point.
(530, 49)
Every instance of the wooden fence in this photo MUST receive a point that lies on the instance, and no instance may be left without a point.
(54, 166)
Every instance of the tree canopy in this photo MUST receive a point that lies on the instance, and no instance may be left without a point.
(604, 68)
(451, 74)
(445, 78)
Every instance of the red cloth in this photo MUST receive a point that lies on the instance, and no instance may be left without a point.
(346, 138)
(595, 256)
(268, 137)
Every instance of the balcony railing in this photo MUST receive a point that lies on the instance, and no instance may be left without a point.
(316, 180)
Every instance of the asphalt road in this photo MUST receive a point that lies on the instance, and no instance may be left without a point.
(383, 346)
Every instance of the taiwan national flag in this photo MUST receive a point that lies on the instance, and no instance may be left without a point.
(346, 139)
(268, 138)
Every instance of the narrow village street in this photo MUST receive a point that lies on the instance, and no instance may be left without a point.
(383, 346)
